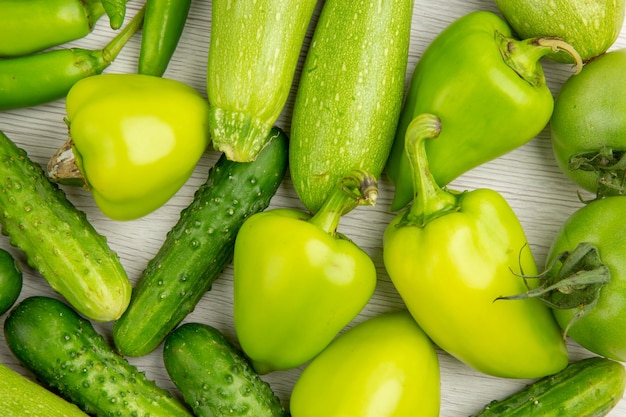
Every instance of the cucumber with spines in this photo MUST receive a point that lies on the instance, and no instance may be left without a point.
(58, 239)
(72, 359)
(215, 377)
(199, 246)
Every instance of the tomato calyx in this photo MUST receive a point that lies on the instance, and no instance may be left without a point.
(608, 164)
(523, 55)
(572, 281)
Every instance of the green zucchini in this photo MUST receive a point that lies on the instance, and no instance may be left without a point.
(590, 387)
(10, 281)
(58, 239)
(350, 94)
(214, 376)
(254, 51)
(70, 358)
(199, 246)
(19, 396)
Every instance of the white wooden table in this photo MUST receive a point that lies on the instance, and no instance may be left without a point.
(528, 177)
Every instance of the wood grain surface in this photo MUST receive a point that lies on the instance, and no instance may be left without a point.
(527, 177)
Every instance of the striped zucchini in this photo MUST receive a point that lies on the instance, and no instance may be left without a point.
(58, 239)
(350, 94)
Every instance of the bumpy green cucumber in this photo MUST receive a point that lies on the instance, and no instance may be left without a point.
(58, 239)
(10, 281)
(199, 246)
(70, 358)
(350, 94)
(587, 388)
(19, 396)
(214, 376)
(255, 46)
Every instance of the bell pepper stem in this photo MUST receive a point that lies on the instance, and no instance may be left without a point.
(430, 200)
(114, 47)
(357, 188)
(523, 55)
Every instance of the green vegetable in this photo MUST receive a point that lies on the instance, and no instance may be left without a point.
(30, 26)
(254, 51)
(451, 256)
(350, 94)
(36, 79)
(488, 89)
(199, 246)
(19, 396)
(116, 11)
(162, 28)
(588, 127)
(150, 129)
(297, 282)
(384, 366)
(591, 27)
(10, 281)
(57, 238)
(214, 376)
(584, 280)
(68, 356)
(590, 387)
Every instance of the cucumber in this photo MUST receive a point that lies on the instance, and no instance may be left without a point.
(10, 281)
(254, 51)
(71, 359)
(590, 387)
(214, 376)
(58, 239)
(350, 94)
(19, 396)
(199, 246)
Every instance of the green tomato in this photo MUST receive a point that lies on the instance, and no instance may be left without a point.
(588, 127)
(385, 366)
(599, 327)
(590, 27)
(10, 281)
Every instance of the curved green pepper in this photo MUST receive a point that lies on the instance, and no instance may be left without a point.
(136, 139)
(297, 282)
(452, 256)
(30, 26)
(488, 89)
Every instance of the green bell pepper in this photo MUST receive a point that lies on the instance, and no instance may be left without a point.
(489, 90)
(452, 256)
(135, 140)
(297, 282)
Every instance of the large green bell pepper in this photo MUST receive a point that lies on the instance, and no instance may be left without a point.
(297, 282)
(489, 90)
(136, 140)
(452, 256)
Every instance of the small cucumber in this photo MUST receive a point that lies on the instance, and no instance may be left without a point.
(214, 376)
(19, 396)
(58, 239)
(199, 246)
(70, 358)
(10, 281)
(254, 51)
(350, 94)
(590, 387)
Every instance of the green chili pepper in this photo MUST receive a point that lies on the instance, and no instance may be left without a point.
(116, 10)
(36, 79)
(135, 139)
(489, 90)
(162, 28)
(452, 256)
(297, 282)
(30, 26)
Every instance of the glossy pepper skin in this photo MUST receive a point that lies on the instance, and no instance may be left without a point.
(297, 282)
(30, 26)
(136, 139)
(452, 256)
(488, 89)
